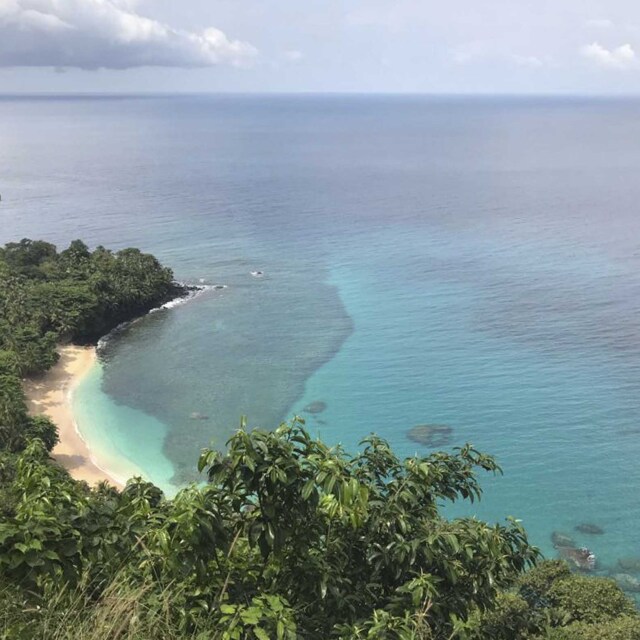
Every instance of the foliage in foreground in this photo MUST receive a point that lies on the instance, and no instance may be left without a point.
(287, 539)
(551, 602)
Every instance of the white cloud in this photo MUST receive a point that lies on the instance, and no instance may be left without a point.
(92, 34)
(600, 23)
(623, 57)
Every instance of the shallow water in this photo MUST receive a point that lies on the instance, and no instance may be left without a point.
(472, 263)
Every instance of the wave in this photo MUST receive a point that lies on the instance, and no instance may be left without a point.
(193, 291)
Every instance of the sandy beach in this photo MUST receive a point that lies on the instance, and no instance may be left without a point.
(50, 394)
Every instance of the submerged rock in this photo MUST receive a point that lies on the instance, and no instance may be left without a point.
(582, 559)
(315, 407)
(560, 540)
(591, 529)
(627, 582)
(198, 416)
(579, 558)
(629, 564)
(431, 435)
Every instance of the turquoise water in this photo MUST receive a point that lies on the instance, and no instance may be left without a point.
(472, 263)
(112, 445)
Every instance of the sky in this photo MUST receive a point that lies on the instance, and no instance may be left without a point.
(379, 46)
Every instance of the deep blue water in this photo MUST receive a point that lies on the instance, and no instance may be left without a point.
(467, 262)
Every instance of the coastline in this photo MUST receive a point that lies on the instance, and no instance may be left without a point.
(50, 394)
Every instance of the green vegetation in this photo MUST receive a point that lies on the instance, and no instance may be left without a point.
(551, 602)
(76, 295)
(287, 538)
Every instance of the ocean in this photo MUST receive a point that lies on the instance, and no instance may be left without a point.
(466, 262)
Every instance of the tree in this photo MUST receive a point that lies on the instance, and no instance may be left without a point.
(342, 537)
(46, 297)
(552, 603)
(27, 256)
(288, 534)
(42, 428)
(13, 412)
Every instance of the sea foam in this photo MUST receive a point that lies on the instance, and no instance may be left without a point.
(194, 292)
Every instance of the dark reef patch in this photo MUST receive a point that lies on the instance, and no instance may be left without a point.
(559, 539)
(627, 583)
(629, 564)
(229, 355)
(589, 528)
(315, 407)
(431, 435)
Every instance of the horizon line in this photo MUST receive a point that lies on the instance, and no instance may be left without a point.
(303, 93)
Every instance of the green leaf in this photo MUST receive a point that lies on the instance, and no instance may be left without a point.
(228, 609)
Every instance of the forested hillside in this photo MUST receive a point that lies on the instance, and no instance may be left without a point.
(75, 295)
(285, 537)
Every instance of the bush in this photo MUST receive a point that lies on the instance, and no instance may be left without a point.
(624, 628)
(535, 584)
(590, 600)
(41, 427)
(509, 618)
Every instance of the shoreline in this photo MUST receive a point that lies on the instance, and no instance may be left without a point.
(50, 394)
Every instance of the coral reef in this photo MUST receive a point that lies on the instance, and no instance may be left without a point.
(591, 529)
(315, 407)
(431, 435)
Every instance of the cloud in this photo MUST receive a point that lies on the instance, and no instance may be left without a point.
(93, 34)
(600, 23)
(623, 57)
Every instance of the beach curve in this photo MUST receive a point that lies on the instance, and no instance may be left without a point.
(50, 394)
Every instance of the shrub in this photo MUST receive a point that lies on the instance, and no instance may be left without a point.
(590, 600)
(624, 628)
(509, 618)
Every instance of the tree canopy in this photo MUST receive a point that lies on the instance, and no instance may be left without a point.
(75, 295)
(287, 534)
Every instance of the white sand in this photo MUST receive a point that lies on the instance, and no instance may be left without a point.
(50, 394)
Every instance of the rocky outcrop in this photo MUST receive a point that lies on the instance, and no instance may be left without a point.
(579, 558)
